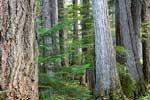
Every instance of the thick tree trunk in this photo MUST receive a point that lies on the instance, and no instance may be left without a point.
(146, 44)
(19, 49)
(128, 28)
(107, 80)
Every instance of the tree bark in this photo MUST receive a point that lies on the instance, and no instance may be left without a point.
(107, 80)
(146, 43)
(19, 49)
(128, 28)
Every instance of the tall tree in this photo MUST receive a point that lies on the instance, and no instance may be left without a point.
(54, 21)
(77, 59)
(63, 33)
(19, 49)
(136, 8)
(146, 44)
(50, 19)
(128, 35)
(46, 17)
(107, 80)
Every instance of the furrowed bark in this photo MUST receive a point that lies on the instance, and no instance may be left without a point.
(107, 80)
(129, 30)
(19, 49)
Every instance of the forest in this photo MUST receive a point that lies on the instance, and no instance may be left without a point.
(74, 49)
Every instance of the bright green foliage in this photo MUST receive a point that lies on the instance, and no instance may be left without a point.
(120, 50)
(53, 86)
(63, 83)
(145, 25)
(144, 98)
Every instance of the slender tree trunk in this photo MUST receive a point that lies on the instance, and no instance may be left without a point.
(19, 49)
(136, 8)
(54, 21)
(146, 44)
(90, 75)
(77, 59)
(63, 34)
(107, 79)
(120, 57)
(46, 17)
(50, 18)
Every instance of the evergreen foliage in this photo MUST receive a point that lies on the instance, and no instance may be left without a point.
(63, 83)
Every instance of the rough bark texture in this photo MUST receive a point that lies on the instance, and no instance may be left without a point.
(19, 49)
(107, 80)
(129, 36)
(146, 44)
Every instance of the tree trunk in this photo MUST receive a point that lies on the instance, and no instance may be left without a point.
(77, 59)
(146, 44)
(54, 21)
(136, 8)
(120, 57)
(19, 49)
(63, 34)
(107, 80)
(50, 17)
(129, 36)
(46, 17)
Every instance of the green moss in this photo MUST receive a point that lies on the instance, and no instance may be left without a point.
(115, 94)
(2, 95)
(144, 98)
(127, 82)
